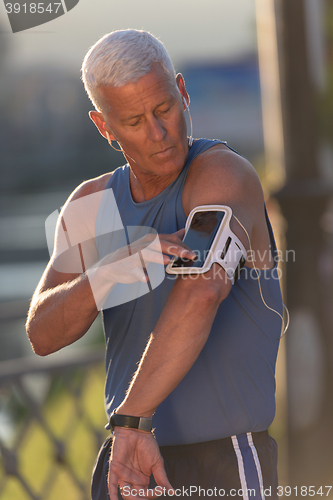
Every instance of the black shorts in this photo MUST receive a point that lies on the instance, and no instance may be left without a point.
(241, 467)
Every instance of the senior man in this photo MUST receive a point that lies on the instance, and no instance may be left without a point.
(197, 355)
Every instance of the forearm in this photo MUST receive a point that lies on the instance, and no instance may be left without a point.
(62, 311)
(175, 344)
(61, 315)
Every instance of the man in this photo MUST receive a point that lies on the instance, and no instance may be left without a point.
(206, 349)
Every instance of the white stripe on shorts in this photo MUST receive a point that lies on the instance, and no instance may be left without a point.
(256, 461)
(241, 469)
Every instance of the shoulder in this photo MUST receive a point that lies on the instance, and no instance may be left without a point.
(221, 176)
(86, 192)
(75, 226)
(78, 215)
(90, 186)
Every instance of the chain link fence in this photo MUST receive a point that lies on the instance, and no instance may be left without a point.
(51, 425)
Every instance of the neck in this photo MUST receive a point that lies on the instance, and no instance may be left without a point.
(145, 188)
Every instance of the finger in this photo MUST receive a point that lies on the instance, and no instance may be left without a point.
(125, 489)
(156, 256)
(178, 250)
(180, 234)
(127, 478)
(129, 490)
(171, 244)
(113, 487)
(149, 255)
(177, 236)
(161, 478)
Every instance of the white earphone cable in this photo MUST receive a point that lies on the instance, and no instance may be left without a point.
(285, 324)
(190, 141)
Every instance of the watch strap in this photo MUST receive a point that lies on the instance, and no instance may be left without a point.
(130, 422)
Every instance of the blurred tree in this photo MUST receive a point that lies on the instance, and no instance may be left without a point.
(326, 99)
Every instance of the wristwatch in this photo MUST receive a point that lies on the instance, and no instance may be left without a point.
(140, 423)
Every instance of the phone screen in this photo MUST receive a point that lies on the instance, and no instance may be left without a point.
(200, 237)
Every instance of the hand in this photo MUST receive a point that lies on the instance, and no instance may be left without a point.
(126, 265)
(134, 457)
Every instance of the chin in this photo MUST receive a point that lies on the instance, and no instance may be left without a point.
(174, 163)
(170, 168)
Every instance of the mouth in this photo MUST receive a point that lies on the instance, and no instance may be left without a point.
(163, 152)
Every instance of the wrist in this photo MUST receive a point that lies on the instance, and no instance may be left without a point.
(125, 431)
(126, 408)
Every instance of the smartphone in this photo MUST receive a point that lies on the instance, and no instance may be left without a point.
(199, 238)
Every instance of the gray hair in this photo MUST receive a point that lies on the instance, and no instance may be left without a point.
(123, 57)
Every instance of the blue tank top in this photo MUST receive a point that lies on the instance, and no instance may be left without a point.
(230, 389)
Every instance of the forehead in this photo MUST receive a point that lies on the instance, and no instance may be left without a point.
(148, 92)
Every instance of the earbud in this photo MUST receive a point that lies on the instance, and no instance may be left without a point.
(110, 142)
(121, 149)
(190, 141)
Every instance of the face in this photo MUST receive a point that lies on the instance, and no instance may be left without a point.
(147, 119)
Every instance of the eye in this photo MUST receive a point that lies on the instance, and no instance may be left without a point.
(165, 110)
(134, 124)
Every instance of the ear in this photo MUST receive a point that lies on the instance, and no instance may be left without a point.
(182, 89)
(99, 121)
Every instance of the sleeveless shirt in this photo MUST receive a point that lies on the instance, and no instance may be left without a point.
(230, 389)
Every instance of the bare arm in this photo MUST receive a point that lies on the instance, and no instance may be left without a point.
(178, 338)
(59, 314)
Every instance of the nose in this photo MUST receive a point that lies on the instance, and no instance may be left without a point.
(157, 131)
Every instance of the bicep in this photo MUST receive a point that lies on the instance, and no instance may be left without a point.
(228, 180)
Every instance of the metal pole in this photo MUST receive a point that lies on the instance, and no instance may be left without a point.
(303, 201)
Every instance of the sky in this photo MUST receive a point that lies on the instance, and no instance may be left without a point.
(190, 29)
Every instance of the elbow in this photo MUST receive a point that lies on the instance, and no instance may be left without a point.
(211, 295)
(37, 347)
(207, 294)
(38, 334)
(214, 286)
(40, 350)
(37, 342)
